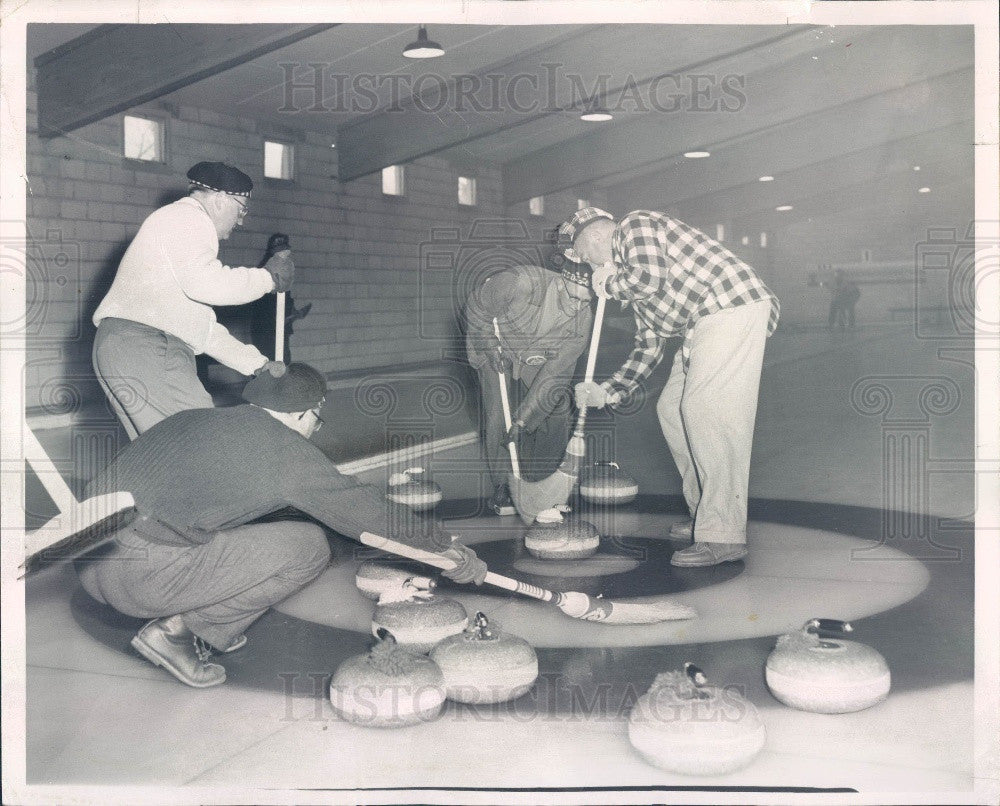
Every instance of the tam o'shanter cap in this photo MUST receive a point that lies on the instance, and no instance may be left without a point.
(221, 177)
(570, 230)
(301, 388)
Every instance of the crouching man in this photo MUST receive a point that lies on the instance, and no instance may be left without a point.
(193, 562)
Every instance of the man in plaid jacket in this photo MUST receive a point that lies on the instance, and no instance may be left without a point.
(679, 282)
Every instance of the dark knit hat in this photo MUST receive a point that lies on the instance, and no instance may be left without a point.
(221, 177)
(301, 388)
(570, 230)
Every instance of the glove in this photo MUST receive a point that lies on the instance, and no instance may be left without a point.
(590, 394)
(514, 434)
(469, 569)
(276, 368)
(282, 270)
(499, 362)
(599, 279)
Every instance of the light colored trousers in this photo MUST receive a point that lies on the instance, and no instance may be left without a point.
(707, 414)
(219, 588)
(146, 374)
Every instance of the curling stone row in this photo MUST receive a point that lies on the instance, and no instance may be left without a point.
(395, 686)
(606, 483)
(412, 488)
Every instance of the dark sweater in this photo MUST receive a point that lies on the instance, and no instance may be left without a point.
(204, 470)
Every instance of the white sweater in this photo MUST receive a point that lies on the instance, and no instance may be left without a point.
(170, 277)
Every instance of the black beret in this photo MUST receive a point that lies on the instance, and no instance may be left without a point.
(301, 388)
(221, 177)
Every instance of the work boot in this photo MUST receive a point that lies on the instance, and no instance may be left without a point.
(698, 555)
(682, 530)
(501, 502)
(167, 642)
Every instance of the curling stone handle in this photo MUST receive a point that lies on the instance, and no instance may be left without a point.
(828, 625)
(695, 675)
(431, 558)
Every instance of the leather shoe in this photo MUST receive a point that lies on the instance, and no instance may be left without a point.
(167, 642)
(698, 555)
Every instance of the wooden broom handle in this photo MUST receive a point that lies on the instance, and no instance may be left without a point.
(505, 400)
(588, 377)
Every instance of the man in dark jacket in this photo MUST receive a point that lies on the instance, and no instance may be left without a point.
(193, 561)
(544, 321)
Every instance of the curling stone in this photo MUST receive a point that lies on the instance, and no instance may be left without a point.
(412, 488)
(826, 675)
(374, 577)
(484, 664)
(554, 536)
(606, 483)
(389, 687)
(417, 618)
(683, 725)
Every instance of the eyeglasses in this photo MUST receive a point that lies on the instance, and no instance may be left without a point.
(244, 208)
(314, 413)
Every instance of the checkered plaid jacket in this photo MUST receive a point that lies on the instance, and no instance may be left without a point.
(672, 275)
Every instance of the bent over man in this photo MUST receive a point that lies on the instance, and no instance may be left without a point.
(544, 320)
(158, 313)
(680, 282)
(194, 563)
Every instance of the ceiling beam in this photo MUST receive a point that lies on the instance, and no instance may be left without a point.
(116, 67)
(774, 96)
(544, 82)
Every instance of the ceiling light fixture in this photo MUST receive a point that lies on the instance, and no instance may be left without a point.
(423, 48)
(697, 155)
(916, 167)
(597, 114)
(924, 190)
(766, 179)
(784, 208)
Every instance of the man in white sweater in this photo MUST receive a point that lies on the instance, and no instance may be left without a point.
(158, 312)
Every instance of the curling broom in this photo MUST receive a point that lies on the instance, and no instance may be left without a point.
(572, 603)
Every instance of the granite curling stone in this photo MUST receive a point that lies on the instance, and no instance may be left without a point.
(483, 664)
(554, 536)
(607, 483)
(413, 489)
(374, 577)
(417, 618)
(826, 675)
(389, 687)
(684, 726)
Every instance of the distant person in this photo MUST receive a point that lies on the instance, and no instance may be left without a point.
(680, 282)
(843, 297)
(157, 315)
(544, 321)
(195, 563)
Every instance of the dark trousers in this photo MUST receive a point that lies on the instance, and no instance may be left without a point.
(538, 452)
(219, 588)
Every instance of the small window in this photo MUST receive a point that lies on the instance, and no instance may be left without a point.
(279, 160)
(536, 206)
(763, 240)
(143, 139)
(581, 203)
(466, 190)
(720, 232)
(393, 181)
(745, 240)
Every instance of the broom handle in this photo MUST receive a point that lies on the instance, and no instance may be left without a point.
(505, 400)
(279, 328)
(595, 339)
(57, 488)
(496, 580)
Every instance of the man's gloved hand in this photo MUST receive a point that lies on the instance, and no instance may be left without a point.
(599, 279)
(282, 270)
(469, 569)
(590, 394)
(499, 362)
(514, 433)
(276, 368)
